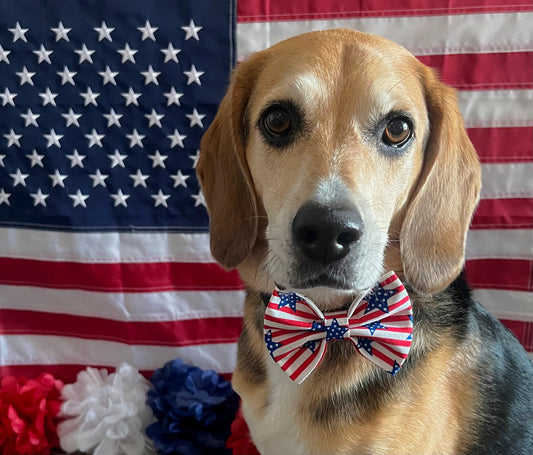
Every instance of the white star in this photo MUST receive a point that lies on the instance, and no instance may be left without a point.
(4, 54)
(120, 198)
(19, 178)
(19, 33)
(180, 179)
(135, 139)
(53, 138)
(36, 159)
(195, 118)
(90, 97)
(199, 199)
(67, 76)
(131, 97)
(57, 178)
(104, 32)
(171, 53)
(71, 118)
(48, 97)
(108, 75)
(8, 97)
(160, 199)
(158, 159)
(154, 118)
(12, 138)
(195, 158)
(139, 178)
(191, 31)
(79, 199)
(85, 54)
(150, 76)
(117, 159)
(193, 75)
(95, 139)
(176, 139)
(43, 55)
(25, 76)
(127, 54)
(39, 198)
(4, 197)
(173, 97)
(147, 31)
(98, 178)
(30, 118)
(61, 32)
(113, 118)
(2, 160)
(76, 159)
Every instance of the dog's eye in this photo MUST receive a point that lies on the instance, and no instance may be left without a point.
(277, 121)
(397, 132)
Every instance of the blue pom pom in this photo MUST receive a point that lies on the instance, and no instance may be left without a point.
(194, 410)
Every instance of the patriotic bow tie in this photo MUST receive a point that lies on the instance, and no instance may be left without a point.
(379, 325)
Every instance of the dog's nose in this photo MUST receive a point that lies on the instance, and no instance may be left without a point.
(326, 234)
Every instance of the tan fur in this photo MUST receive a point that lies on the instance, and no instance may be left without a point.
(342, 80)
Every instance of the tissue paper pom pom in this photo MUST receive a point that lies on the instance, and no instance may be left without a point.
(194, 409)
(28, 414)
(240, 441)
(106, 413)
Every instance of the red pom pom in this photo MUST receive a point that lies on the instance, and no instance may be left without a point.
(240, 441)
(28, 414)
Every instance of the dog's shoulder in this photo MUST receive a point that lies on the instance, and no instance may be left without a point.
(504, 375)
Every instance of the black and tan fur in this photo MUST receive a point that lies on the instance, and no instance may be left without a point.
(467, 386)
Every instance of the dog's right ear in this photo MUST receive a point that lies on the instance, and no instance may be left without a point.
(224, 174)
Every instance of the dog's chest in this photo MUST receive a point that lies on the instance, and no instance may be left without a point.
(277, 431)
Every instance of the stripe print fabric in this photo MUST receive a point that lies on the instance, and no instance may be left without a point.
(165, 298)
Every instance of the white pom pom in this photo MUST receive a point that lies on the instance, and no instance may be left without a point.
(106, 413)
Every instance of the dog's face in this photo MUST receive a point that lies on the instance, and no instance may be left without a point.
(334, 156)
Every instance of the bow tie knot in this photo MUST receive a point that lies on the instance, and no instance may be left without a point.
(379, 326)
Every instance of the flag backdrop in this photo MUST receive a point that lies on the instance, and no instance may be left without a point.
(104, 251)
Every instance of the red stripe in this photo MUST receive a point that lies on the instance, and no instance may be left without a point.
(523, 331)
(304, 365)
(282, 10)
(503, 145)
(118, 277)
(504, 214)
(507, 274)
(492, 71)
(163, 333)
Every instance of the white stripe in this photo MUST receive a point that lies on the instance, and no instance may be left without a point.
(514, 305)
(104, 247)
(456, 34)
(496, 108)
(53, 350)
(509, 180)
(128, 307)
(500, 244)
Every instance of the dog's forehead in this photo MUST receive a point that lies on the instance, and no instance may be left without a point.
(318, 67)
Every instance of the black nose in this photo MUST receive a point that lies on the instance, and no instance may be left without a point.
(325, 234)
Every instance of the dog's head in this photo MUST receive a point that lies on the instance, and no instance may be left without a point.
(333, 157)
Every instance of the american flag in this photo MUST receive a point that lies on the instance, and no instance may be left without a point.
(379, 325)
(103, 241)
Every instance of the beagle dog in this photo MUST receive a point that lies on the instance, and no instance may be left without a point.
(334, 157)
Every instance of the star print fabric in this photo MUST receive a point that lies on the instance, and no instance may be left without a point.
(379, 326)
(102, 107)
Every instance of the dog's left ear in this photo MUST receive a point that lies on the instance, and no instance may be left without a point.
(433, 233)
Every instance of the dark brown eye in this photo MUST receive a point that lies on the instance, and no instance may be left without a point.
(397, 132)
(277, 121)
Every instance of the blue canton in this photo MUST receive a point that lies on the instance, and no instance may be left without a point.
(318, 327)
(374, 326)
(335, 331)
(271, 345)
(310, 345)
(378, 299)
(395, 368)
(365, 343)
(288, 299)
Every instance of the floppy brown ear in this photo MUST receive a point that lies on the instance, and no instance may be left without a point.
(224, 175)
(433, 233)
